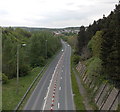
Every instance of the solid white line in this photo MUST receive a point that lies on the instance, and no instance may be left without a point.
(51, 82)
(71, 82)
(58, 105)
(59, 88)
(66, 106)
(44, 98)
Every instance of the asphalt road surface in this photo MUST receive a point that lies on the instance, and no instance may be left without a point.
(54, 90)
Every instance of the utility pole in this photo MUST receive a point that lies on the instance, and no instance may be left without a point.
(18, 48)
(17, 68)
(46, 49)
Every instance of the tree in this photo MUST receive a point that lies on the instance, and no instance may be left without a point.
(95, 44)
(110, 54)
(81, 39)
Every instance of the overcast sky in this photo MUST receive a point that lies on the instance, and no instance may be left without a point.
(53, 13)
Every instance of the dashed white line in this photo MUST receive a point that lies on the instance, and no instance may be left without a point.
(61, 77)
(58, 105)
(44, 98)
(59, 88)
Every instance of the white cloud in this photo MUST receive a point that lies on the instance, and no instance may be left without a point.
(53, 13)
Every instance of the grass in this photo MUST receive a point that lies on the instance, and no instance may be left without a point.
(9, 97)
(118, 109)
(78, 100)
(89, 94)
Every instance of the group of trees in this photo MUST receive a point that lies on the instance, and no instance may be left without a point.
(40, 46)
(10, 39)
(43, 45)
(102, 39)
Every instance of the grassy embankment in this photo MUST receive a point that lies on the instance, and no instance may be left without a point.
(10, 99)
(78, 99)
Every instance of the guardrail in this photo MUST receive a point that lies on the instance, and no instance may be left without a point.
(21, 101)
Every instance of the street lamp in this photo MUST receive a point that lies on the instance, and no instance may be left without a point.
(18, 66)
(46, 49)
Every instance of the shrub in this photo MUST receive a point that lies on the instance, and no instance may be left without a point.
(4, 78)
(94, 67)
(118, 109)
(41, 61)
(24, 70)
(76, 59)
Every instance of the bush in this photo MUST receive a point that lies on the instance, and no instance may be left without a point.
(76, 59)
(118, 109)
(41, 61)
(93, 67)
(24, 70)
(4, 79)
(94, 44)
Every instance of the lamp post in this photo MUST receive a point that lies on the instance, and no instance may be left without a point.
(18, 47)
(46, 49)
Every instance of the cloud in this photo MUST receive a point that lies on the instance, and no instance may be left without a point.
(53, 13)
(3, 12)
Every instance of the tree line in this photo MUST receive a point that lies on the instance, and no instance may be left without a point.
(101, 41)
(40, 46)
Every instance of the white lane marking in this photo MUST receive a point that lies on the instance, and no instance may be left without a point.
(58, 105)
(71, 82)
(51, 82)
(51, 108)
(44, 98)
(59, 88)
(61, 77)
(66, 104)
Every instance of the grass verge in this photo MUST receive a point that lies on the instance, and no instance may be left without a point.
(9, 97)
(89, 94)
(78, 100)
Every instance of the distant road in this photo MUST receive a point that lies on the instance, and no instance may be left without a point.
(54, 90)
